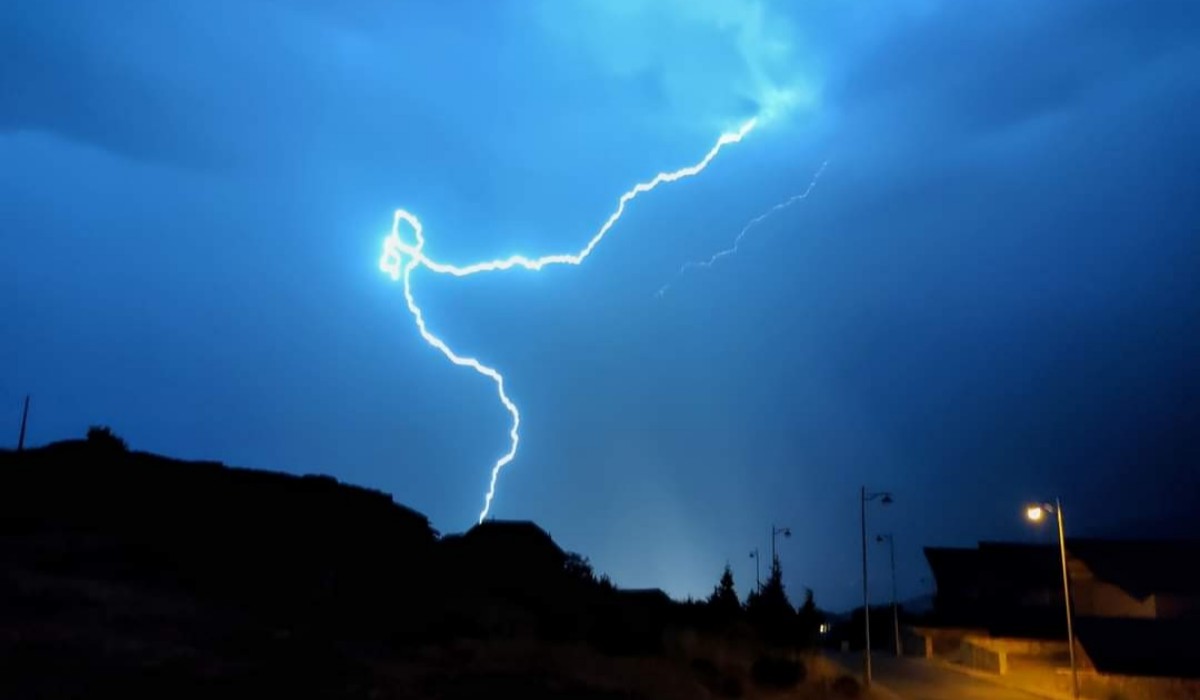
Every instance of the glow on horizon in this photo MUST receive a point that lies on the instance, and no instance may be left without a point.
(400, 258)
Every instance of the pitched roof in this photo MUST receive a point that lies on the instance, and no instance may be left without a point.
(1139, 567)
(1141, 647)
(1142, 567)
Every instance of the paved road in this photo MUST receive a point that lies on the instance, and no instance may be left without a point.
(917, 679)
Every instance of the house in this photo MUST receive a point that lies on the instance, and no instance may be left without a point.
(1136, 604)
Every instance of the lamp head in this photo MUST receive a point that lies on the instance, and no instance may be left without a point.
(887, 499)
(1035, 513)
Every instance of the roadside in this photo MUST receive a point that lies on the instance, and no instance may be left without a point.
(919, 679)
(1009, 681)
(851, 665)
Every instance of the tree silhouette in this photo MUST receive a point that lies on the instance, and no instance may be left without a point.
(770, 611)
(578, 568)
(724, 601)
(808, 621)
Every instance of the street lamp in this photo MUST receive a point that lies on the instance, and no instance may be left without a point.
(884, 498)
(776, 531)
(1036, 513)
(757, 578)
(887, 537)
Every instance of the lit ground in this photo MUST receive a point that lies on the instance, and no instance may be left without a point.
(917, 679)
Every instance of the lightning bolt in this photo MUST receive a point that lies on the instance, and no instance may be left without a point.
(400, 258)
(737, 242)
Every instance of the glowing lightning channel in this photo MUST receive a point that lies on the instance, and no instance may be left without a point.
(390, 263)
(737, 242)
(396, 250)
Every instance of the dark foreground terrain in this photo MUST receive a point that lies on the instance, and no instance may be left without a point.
(131, 575)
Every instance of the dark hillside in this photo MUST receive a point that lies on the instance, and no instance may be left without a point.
(122, 567)
(267, 539)
(126, 574)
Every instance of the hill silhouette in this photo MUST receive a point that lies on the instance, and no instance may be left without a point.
(128, 574)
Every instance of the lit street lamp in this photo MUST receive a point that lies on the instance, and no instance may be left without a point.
(895, 606)
(884, 499)
(1036, 513)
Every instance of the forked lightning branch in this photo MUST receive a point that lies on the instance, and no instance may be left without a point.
(404, 252)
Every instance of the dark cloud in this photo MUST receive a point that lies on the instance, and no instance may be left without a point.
(995, 66)
(79, 71)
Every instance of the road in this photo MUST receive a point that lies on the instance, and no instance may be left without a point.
(918, 679)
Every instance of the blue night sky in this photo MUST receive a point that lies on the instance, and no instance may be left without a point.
(991, 295)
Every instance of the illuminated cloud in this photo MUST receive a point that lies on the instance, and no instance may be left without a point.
(709, 61)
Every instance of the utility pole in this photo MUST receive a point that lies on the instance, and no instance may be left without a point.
(1036, 512)
(1062, 550)
(775, 531)
(866, 596)
(891, 540)
(24, 420)
(757, 576)
(885, 499)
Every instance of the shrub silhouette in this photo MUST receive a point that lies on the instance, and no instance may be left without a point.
(846, 687)
(706, 671)
(776, 672)
(103, 437)
(730, 687)
(721, 684)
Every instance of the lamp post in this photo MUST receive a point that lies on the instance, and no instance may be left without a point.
(885, 498)
(24, 420)
(775, 532)
(891, 540)
(757, 578)
(1036, 513)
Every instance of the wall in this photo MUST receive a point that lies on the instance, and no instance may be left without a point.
(1177, 606)
(1093, 598)
(1027, 647)
(1138, 688)
(977, 657)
